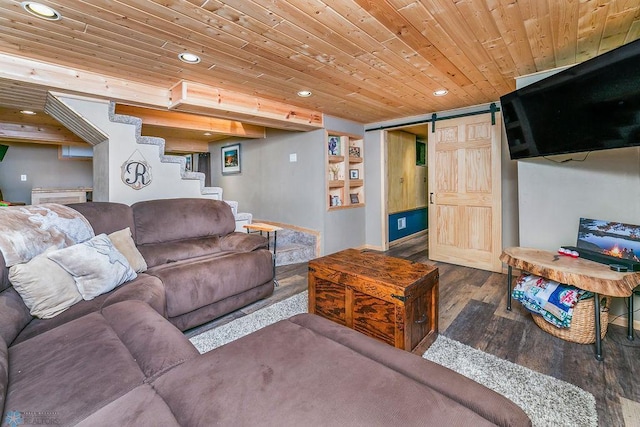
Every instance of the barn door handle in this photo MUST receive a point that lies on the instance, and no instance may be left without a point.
(422, 319)
(431, 198)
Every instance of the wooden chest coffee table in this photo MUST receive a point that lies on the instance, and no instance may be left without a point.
(391, 299)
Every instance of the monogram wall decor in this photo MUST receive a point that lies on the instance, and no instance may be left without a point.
(136, 171)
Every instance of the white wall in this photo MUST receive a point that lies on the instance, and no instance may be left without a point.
(554, 196)
(40, 164)
(274, 189)
(109, 157)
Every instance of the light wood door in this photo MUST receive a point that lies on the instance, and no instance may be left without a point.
(406, 181)
(464, 164)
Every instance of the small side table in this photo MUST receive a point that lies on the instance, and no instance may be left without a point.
(581, 273)
(268, 228)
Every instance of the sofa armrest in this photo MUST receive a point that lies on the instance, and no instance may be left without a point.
(242, 242)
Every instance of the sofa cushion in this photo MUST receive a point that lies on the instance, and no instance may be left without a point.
(106, 217)
(14, 315)
(79, 367)
(145, 288)
(123, 241)
(166, 220)
(4, 372)
(140, 407)
(162, 253)
(284, 369)
(96, 266)
(243, 242)
(197, 282)
(46, 288)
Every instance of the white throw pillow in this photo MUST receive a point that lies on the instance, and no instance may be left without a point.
(45, 287)
(123, 242)
(96, 266)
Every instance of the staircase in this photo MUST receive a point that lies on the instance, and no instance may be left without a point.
(117, 138)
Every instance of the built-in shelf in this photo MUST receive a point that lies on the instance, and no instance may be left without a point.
(345, 171)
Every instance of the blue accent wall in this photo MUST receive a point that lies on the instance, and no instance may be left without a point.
(416, 220)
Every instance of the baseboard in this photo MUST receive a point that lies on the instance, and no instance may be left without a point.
(623, 321)
(409, 237)
(371, 248)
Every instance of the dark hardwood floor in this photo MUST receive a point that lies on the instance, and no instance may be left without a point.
(473, 311)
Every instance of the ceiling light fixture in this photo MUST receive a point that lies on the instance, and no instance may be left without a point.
(304, 93)
(440, 92)
(189, 58)
(28, 112)
(41, 11)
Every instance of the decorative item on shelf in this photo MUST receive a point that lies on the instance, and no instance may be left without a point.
(334, 171)
(354, 174)
(335, 201)
(230, 157)
(334, 145)
(354, 151)
(136, 171)
(354, 199)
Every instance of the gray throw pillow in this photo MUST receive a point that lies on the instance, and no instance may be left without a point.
(96, 266)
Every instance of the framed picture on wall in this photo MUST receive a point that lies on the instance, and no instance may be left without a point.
(230, 157)
(354, 174)
(334, 145)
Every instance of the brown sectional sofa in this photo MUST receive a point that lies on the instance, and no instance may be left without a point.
(121, 359)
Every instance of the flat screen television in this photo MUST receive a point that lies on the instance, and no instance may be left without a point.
(594, 105)
(3, 151)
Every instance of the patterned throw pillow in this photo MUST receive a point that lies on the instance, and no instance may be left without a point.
(96, 266)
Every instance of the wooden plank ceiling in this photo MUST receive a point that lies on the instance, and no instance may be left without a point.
(363, 60)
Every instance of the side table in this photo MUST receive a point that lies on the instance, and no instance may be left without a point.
(268, 228)
(579, 272)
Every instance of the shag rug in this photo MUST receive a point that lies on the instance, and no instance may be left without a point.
(546, 400)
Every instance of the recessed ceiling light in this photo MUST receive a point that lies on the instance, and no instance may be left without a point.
(304, 93)
(28, 112)
(189, 58)
(40, 10)
(440, 92)
(207, 134)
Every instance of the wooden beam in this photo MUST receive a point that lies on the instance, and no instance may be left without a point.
(185, 146)
(203, 99)
(178, 120)
(40, 128)
(41, 134)
(62, 78)
(185, 97)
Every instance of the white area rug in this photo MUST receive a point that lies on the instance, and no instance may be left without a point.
(546, 400)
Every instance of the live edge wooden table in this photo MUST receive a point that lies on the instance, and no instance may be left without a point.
(579, 272)
(391, 299)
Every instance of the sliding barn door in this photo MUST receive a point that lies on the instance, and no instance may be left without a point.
(465, 221)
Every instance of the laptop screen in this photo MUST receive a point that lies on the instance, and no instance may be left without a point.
(614, 239)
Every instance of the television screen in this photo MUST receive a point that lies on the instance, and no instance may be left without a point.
(3, 151)
(594, 105)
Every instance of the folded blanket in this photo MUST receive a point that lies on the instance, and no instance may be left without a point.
(552, 300)
(27, 231)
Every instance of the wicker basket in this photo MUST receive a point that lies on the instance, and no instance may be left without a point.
(583, 327)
